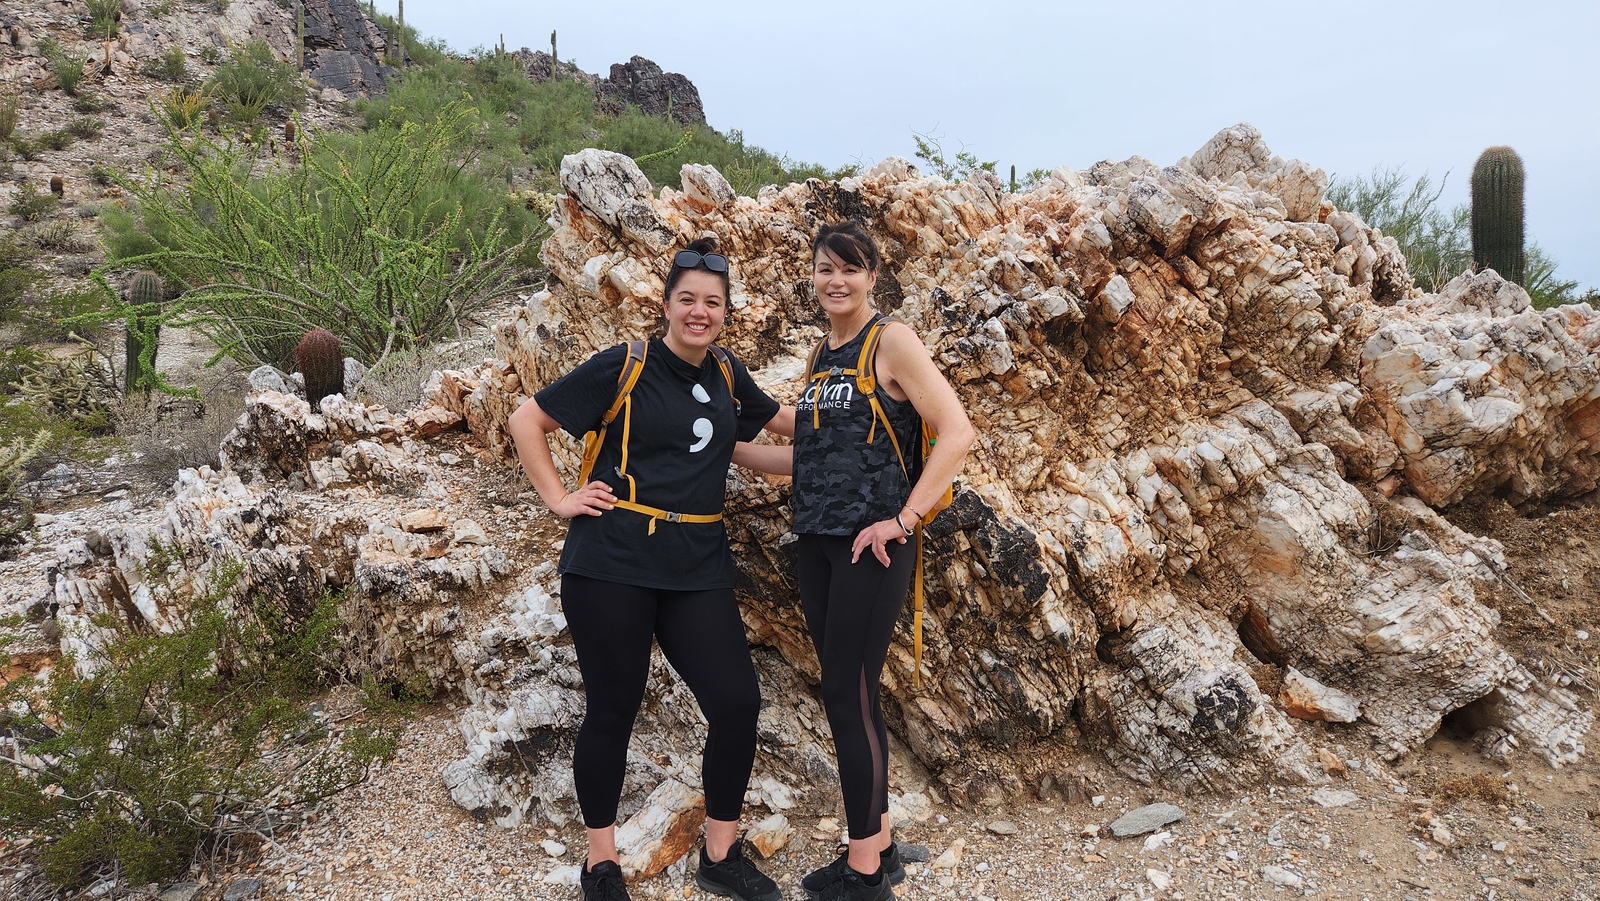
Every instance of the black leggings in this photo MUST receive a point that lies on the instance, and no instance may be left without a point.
(702, 637)
(851, 610)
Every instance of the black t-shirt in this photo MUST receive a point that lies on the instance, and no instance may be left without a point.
(680, 442)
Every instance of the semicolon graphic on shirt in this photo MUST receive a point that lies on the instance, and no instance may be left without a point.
(702, 427)
(828, 396)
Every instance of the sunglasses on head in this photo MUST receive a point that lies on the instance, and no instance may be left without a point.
(689, 259)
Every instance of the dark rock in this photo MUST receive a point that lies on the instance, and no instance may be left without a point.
(345, 50)
(241, 889)
(642, 83)
(638, 81)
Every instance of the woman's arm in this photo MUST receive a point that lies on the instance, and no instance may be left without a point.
(530, 429)
(904, 367)
(777, 459)
(782, 423)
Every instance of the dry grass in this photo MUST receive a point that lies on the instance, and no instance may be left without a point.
(1480, 787)
(164, 434)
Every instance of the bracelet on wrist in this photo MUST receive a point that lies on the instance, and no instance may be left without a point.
(914, 512)
(901, 524)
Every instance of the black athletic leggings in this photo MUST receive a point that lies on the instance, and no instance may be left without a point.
(702, 637)
(851, 610)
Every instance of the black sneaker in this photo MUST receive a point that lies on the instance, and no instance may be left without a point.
(735, 877)
(603, 883)
(852, 886)
(893, 868)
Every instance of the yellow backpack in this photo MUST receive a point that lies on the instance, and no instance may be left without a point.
(632, 366)
(866, 375)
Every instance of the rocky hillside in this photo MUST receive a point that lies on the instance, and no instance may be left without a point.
(1200, 538)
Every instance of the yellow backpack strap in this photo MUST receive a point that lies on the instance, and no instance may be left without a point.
(812, 376)
(627, 377)
(724, 363)
(867, 383)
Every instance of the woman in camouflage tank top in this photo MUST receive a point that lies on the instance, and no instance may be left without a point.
(854, 508)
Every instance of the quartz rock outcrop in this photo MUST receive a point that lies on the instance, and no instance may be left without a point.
(1216, 424)
(1199, 390)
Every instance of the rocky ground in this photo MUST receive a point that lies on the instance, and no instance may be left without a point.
(1444, 823)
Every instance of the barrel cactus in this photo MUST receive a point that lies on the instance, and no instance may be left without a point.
(144, 331)
(321, 364)
(1497, 217)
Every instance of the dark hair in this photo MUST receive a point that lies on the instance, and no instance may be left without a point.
(849, 242)
(701, 246)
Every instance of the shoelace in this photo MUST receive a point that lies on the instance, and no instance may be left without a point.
(610, 888)
(743, 870)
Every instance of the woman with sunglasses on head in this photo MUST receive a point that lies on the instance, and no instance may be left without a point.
(647, 557)
(854, 507)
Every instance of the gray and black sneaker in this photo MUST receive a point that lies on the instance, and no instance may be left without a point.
(893, 869)
(735, 877)
(852, 886)
(603, 882)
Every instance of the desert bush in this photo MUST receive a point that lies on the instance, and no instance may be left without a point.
(88, 103)
(56, 139)
(56, 235)
(66, 64)
(16, 512)
(336, 241)
(26, 147)
(1434, 241)
(57, 316)
(401, 380)
(32, 204)
(172, 65)
(10, 110)
(85, 128)
(1437, 243)
(105, 18)
(182, 109)
(163, 741)
(164, 433)
(253, 80)
(16, 274)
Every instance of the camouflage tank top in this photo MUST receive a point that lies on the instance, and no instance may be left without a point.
(841, 483)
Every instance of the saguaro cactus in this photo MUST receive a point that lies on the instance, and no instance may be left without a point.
(1497, 216)
(143, 331)
(321, 365)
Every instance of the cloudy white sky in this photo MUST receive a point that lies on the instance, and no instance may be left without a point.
(1346, 86)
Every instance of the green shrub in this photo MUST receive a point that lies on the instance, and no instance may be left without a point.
(1436, 243)
(85, 128)
(101, 174)
(16, 275)
(67, 65)
(336, 242)
(32, 204)
(26, 147)
(177, 739)
(10, 111)
(56, 236)
(172, 65)
(16, 513)
(104, 18)
(254, 80)
(182, 109)
(88, 103)
(49, 319)
(56, 139)
(160, 9)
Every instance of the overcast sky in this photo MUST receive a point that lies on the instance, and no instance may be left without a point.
(1345, 86)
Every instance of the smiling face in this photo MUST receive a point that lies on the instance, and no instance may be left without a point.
(842, 287)
(694, 314)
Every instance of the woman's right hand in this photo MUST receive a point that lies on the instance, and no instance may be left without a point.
(592, 499)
